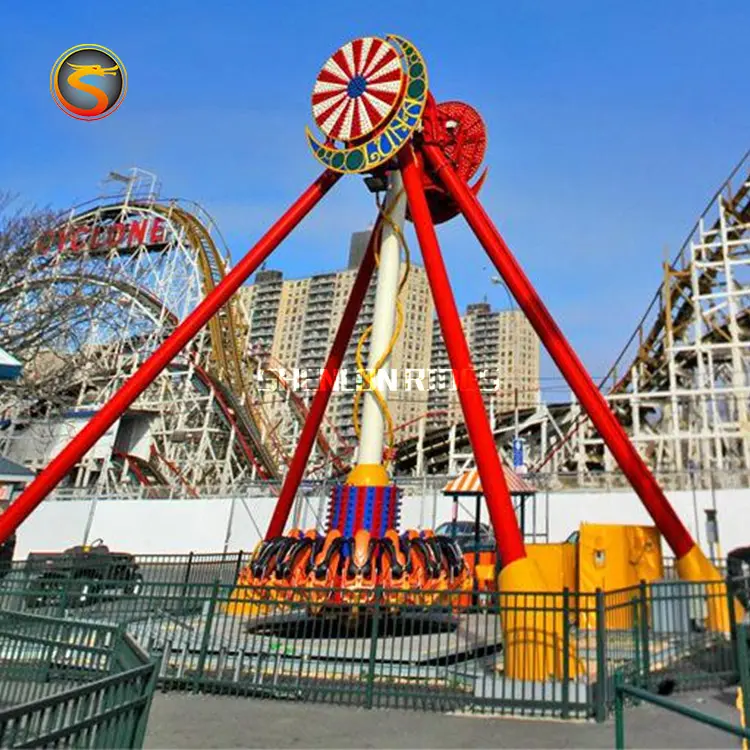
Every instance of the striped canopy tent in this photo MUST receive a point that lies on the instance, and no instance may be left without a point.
(469, 483)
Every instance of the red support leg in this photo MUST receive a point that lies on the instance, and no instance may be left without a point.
(507, 534)
(323, 393)
(627, 457)
(54, 472)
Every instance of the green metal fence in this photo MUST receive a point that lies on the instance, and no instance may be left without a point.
(400, 648)
(623, 690)
(66, 683)
(626, 686)
(192, 567)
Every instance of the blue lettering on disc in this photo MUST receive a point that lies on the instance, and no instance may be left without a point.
(372, 152)
(403, 131)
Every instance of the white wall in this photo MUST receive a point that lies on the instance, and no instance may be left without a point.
(51, 526)
(732, 506)
(176, 526)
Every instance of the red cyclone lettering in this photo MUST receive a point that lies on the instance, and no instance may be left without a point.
(115, 234)
(45, 241)
(137, 233)
(156, 236)
(76, 243)
(95, 235)
(62, 238)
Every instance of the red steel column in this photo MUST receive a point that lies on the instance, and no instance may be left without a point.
(565, 358)
(323, 393)
(510, 545)
(51, 475)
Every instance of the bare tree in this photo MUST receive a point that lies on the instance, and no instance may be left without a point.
(47, 304)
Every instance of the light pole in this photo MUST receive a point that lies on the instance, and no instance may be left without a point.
(691, 472)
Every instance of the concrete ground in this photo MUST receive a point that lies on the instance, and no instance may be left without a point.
(197, 721)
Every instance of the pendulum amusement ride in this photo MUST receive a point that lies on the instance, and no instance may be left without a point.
(378, 118)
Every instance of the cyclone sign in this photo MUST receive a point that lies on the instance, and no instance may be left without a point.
(369, 96)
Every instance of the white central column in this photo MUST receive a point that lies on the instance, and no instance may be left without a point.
(384, 320)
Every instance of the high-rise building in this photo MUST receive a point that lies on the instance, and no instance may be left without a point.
(295, 320)
(505, 352)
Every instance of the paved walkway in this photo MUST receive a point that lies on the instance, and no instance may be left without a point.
(195, 721)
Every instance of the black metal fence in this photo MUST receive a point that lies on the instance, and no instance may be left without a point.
(434, 650)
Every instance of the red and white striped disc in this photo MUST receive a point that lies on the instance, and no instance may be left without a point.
(357, 88)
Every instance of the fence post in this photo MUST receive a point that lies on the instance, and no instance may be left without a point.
(370, 688)
(645, 645)
(188, 568)
(206, 635)
(743, 667)
(63, 604)
(619, 712)
(566, 653)
(238, 566)
(186, 580)
(139, 731)
(601, 658)
(732, 611)
(637, 676)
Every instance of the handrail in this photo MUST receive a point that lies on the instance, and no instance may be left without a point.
(621, 690)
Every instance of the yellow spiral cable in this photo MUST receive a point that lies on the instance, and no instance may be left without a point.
(368, 375)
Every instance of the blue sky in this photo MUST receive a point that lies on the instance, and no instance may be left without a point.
(610, 126)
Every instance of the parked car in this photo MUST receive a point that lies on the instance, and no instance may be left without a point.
(84, 574)
(464, 533)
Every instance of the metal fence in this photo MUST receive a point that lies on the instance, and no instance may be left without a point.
(627, 688)
(409, 649)
(207, 567)
(66, 683)
(192, 567)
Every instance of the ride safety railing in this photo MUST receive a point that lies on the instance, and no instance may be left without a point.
(623, 691)
(68, 683)
(627, 689)
(378, 647)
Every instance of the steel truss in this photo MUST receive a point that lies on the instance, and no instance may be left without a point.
(680, 386)
(208, 423)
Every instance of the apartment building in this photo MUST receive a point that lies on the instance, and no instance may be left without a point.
(506, 355)
(295, 320)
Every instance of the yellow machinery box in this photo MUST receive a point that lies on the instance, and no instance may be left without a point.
(610, 557)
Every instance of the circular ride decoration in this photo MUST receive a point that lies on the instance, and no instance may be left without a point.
(369, 97)
(357, 89)
(467, 137)
(460, 131)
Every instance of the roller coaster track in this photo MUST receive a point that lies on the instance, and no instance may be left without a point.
(225, 340)
(231, 412)
(227, 335)
(226, 373)
(672, 305)
(670, 323)
(672, 308)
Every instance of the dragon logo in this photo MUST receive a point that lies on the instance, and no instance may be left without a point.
(88, 82)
